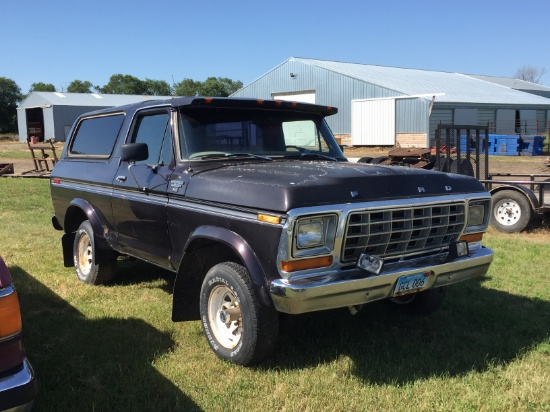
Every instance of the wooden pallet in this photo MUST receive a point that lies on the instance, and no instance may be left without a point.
(6, 169)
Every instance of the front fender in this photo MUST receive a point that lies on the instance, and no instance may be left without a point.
(191, 270)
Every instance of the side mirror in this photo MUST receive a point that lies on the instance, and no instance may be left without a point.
(134, 152)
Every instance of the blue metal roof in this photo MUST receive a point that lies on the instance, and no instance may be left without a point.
(454, 87)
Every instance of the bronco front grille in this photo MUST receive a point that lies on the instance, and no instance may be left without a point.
(386, 233)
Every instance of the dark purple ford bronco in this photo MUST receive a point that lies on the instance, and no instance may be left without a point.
(254, 208)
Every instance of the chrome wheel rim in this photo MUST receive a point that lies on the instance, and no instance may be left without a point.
(85, 254)
(224, 316)
(508, 213)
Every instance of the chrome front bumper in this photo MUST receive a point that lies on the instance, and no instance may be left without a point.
(17, 391)
(356, 287)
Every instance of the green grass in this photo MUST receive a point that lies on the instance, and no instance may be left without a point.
(115, 347)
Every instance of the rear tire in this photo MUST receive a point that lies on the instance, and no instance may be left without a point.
(88, 266)
(511, 211)
(237, 328)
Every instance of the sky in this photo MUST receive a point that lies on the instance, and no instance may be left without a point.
(58, 41)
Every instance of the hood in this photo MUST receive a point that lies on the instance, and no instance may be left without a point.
(284, 185)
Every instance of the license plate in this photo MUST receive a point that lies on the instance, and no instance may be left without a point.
(411, 283)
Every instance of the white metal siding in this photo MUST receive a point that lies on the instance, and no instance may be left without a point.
(373, 122)
(305, 97)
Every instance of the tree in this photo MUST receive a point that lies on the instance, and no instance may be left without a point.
(10, 95)
(187, 87)
(530, 73)
(157, 87)
(212, 86)
(123, 84)
(79, 86)
(42, 87)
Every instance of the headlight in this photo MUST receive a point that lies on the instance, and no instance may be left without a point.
(310, 234)
(476, 215)
(314, 235)
(478, 218)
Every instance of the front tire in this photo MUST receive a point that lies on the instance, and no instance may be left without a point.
(237, 328)
(89, 268)
(511, 211)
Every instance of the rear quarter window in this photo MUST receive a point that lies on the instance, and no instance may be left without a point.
(96, 136)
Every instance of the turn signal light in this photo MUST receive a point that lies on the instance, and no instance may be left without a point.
(305, 264)
(10, 315)
(474, 237)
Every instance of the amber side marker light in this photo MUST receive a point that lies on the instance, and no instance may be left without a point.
(269, 218)
(474, 237)
(304, 264)
(10, 315)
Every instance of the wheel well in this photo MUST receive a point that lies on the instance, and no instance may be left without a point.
(73, 218)
(531, 198)
(199, 257)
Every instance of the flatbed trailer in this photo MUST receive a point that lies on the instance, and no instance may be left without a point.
(517, 198)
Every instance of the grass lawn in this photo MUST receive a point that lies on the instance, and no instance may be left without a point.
(115, 347)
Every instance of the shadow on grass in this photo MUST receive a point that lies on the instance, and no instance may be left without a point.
(131, 271)
(93, 364)
(475, 329)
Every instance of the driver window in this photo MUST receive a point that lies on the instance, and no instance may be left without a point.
(154, 130)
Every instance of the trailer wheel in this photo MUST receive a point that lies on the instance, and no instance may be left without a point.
(365, 160)
(462, 167)
(378, 160)
(511, 211)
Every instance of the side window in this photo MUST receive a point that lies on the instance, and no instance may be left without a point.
(154, 129)
(96, 136)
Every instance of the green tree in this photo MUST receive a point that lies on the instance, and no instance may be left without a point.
(10, 95)
(123, 84)
(42, 87)
(187, 87)
(212, 86)
(157, 87)
(79, 86)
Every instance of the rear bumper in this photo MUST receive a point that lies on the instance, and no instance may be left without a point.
(357, 287)
(17, 391)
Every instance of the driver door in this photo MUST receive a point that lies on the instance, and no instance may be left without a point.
(139, 201)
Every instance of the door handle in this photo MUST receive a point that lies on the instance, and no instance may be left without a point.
(121, 178)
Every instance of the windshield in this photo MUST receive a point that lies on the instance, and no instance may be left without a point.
(208, 132)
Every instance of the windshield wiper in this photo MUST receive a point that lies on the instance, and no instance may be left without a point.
(227, 155)
(313, 154)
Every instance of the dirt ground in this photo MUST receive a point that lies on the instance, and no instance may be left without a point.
(18, 154)
(497, 164)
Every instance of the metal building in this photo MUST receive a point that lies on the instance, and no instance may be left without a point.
(49, 115)
(395, 106)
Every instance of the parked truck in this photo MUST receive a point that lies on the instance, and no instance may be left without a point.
(254, 208)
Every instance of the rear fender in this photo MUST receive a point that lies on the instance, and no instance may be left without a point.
(80, 210)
